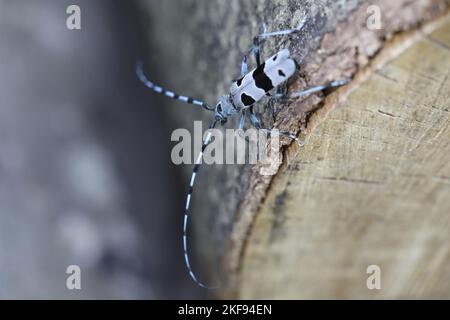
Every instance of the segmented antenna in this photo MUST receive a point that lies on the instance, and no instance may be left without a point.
(332, 84)
(286, 32)
(188, 202)
(167, 93)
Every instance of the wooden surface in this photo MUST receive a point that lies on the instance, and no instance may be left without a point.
(370, 187)
(196, 48)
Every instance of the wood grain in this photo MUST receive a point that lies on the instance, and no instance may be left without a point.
(196, 48)
(370, 187)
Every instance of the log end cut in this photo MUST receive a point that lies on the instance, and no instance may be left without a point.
(370, 189)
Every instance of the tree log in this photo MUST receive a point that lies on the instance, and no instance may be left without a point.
(376, 152)
(370, 187)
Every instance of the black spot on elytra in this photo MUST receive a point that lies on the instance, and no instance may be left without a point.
(281, 73)
(239, 82)
(275, 57)
(247, 100)
(262, 81)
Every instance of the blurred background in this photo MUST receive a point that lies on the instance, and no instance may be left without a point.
(85, 170)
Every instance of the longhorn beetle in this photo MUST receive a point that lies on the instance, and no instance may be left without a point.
(243, 95)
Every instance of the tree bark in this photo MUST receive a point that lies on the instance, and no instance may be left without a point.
(369, 186)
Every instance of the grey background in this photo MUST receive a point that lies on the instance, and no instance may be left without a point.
(85, 170)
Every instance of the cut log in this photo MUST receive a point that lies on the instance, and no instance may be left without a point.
(370, 187)
(361, 141)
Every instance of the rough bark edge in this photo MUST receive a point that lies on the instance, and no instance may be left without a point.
(390, 45)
